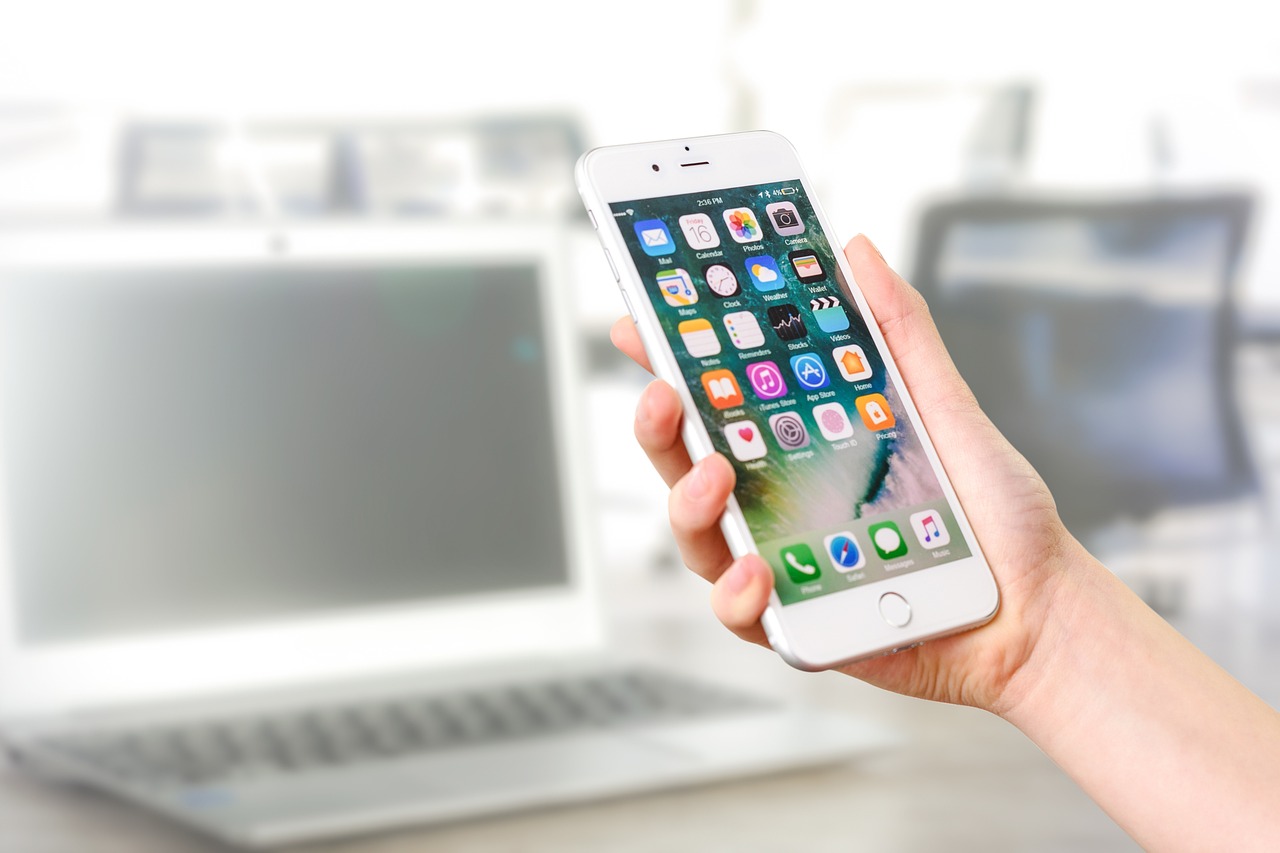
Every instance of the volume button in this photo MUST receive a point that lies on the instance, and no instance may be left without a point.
(608, 257)
(592, 217)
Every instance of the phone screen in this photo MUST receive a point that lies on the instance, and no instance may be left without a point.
(833, 481)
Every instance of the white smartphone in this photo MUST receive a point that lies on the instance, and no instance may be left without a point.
(749, 310)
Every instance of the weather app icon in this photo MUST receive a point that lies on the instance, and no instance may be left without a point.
(764, 273)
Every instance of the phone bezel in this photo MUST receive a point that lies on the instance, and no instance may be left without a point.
(839, 627)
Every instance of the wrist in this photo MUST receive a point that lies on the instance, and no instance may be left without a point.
(1049, 617)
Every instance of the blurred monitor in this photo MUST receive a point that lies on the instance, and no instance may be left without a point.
(1098, 336)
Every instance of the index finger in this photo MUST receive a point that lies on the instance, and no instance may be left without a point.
(626, 338)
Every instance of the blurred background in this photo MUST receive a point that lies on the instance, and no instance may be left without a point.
(1086, 194)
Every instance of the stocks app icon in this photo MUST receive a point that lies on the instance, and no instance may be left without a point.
(789, 430)
(787, 322)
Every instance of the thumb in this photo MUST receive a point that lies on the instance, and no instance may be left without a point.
(904, 320)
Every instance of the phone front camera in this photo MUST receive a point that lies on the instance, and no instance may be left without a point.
(655, 167)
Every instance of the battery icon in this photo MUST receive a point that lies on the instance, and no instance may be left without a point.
(788, 190)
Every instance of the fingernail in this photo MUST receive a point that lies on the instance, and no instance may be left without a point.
(737, 578)
(697, 484)
(872, 244)
(643, 408)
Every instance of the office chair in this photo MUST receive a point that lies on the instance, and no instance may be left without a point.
(1098, 335)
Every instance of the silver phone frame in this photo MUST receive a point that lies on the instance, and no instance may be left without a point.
(838, 628)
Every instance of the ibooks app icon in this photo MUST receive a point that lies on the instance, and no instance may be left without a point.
(722, 389)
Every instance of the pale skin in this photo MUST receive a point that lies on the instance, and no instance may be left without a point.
(1176, 751)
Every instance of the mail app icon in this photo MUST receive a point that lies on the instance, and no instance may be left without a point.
(655, 239)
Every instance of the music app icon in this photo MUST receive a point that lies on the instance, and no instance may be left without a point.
(766, 380)
(930, 529)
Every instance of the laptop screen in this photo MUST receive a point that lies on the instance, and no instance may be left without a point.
(191, 448)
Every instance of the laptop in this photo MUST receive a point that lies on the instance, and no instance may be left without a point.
(294, 541)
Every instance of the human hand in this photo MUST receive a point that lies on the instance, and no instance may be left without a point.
(1009, 508)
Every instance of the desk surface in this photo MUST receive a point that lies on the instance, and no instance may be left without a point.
(961, 779)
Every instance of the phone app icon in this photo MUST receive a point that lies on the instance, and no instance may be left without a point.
(655, 239)
(745, 441)
(833, 422)
(785, 218)
(807, 266)
(765, 274)
(743, 225)
(722, 389)
(875, 412)
(699, 338)
(930, 529)
(887, 539)
(852, 362)
(789, 430)
(744, 330)
(721, 280)
(844, 552)
(699, 231)
(800, 563)
(787, 322)
(766, 380)
(677, 288)
(810, 372)
(829, 313)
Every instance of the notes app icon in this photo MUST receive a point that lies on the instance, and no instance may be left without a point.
(699, 338)
(722, 389)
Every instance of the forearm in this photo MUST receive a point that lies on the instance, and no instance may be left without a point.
(1177, 751)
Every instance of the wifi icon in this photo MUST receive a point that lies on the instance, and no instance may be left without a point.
(787, 322)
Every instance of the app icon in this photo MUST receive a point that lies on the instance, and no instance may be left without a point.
(699, 338)
(852, 362)
(844, 552)
(800, 564)
(743, 226)
(829, 314)
(832, 421)
(930, 529)
(721, 280)
(766, 380)
(789, 430)
(875, 411)
(786, 219)
(745, 441)
(764, 273)
(744, 330)
(699, 231)
(810, 371)
(655, 239)
(722, 389)
(887, 539)
(808, 268)
(787, 322)
(677, 288)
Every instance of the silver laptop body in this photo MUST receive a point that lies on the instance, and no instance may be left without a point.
(294, 543)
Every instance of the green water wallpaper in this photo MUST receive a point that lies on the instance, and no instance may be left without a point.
(790, 386)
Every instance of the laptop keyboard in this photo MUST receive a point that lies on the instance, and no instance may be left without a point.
(211, 751)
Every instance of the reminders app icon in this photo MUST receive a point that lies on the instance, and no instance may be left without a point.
(655, 239)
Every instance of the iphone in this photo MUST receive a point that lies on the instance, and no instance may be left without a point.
(747, 307)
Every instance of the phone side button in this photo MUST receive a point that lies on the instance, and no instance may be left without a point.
(895, 610)
(608, 257)
(592, 217)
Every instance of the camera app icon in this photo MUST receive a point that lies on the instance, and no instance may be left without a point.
(785, 218)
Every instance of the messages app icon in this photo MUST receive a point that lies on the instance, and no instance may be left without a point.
(655, 239)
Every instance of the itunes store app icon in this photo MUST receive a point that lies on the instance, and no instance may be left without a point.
(766, 380)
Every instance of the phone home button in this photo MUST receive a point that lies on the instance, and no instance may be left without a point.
(895, 610)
